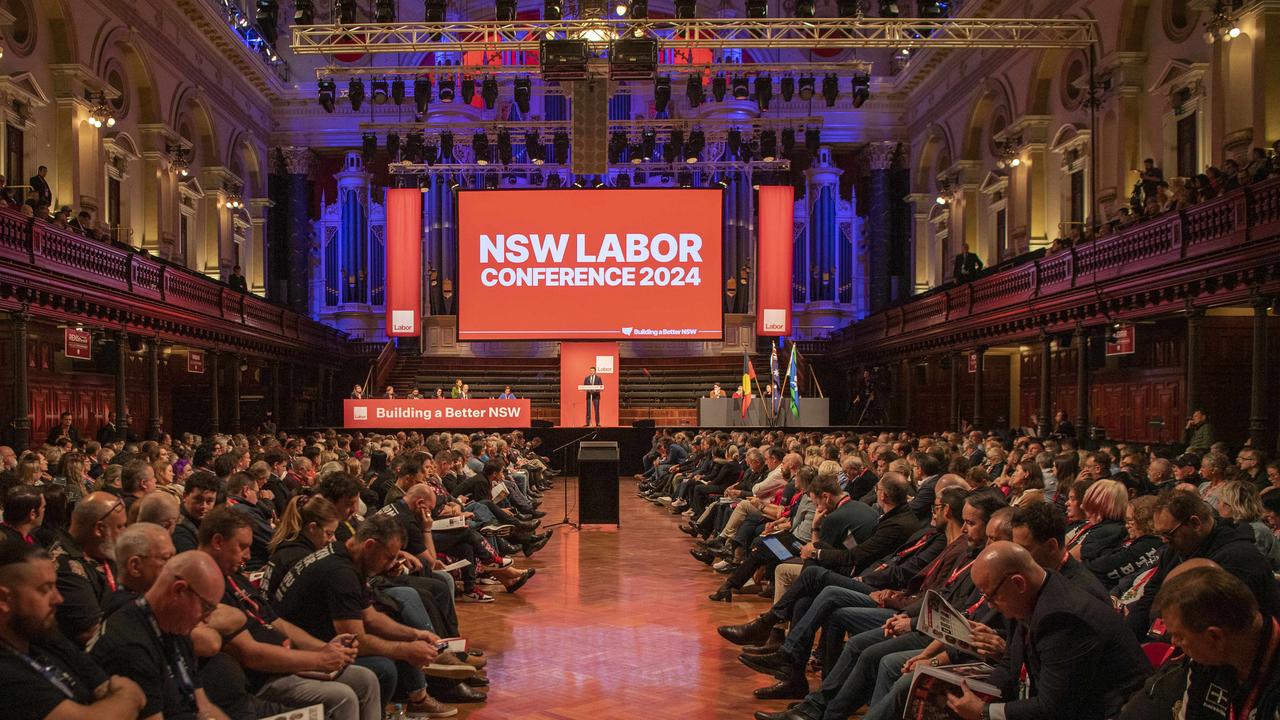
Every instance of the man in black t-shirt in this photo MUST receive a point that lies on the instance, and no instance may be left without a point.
(199, 495)
(41, 673)
(86, 558)
(149, 640)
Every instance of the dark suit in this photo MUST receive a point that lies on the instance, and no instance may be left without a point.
(593, 397)
(40, 191)
(56, 432)
(237, 283)
(107, 433)
(966, 267)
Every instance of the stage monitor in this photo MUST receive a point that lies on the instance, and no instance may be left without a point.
(598, 264)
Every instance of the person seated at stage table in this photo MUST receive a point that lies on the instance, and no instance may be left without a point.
(506, 393)
(716, 391)
(389, 393)
(414, 394)
(456, 391)
(465, 394)
(738, 393)
(439, 394)
(357, 392)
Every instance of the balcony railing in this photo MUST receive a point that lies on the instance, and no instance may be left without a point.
(80, 261)
(1233, 221)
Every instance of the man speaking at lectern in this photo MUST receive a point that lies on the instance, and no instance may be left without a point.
(593, 396)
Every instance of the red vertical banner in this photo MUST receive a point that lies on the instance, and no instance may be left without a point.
(776, 204)
(404, 261)
(576, 361)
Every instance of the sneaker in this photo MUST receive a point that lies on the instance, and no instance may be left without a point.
(497, 529)
(722, 566)
(475, 596)
(429, 708)
(488, 581)
(459, 671)
(664, 498)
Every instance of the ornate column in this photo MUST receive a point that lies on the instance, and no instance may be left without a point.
(153, 389)
(212, 241)
(1258, 435)
(21, 393)
(955, 390)
(1046, 402)
(293, 420)
(979, 354)
(1080, 340)
(905, 382)
(924, 274)
(122, 361)
(257, 258)
(296, 163)
(275, 393)
(234, 419)
(1028, 213)
(1195, 323)
(879, 222)
(215, 422)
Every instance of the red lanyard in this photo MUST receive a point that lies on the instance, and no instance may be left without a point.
(250, 605)
(25, 537)
(106, 571)
(969, 611)
(959, 571)
(1079, 534)
(918, 544)
(1261, 669)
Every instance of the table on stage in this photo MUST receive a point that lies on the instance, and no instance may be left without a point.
(727, 412)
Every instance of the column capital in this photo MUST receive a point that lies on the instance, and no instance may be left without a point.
(880, 154)
(296, 160)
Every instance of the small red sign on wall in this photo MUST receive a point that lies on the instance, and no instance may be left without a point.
(77, 343)
(973, 362)
(1122, 340)
(195, 361)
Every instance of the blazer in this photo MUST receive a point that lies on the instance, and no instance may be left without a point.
(593, 380)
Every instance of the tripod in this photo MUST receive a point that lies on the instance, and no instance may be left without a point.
(564, 462)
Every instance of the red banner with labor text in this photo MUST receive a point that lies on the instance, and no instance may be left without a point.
(446, 413)
(404, 261)
(776, 204)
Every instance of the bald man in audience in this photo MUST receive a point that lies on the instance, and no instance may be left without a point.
(1080, 662)
(86, 564)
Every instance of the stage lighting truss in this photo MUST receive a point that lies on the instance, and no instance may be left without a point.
(713, 130)
(694, 71)
(640, 169)
(699, 33)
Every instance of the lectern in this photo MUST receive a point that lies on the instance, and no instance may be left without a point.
(598, 482)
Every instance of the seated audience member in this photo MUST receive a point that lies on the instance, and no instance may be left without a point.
(242, 494)
(326, 595)
(389, 393)
(308, 524)
(136, 480)
(23, 513)
(1103, 505)
(1077, 659)
(64, 428)
(506, 393)
(42, 674)
(149, 640)
(278, 656)
(198, 497)
(85, 560)
(357, 392)
(160, 509)
(1238, 502)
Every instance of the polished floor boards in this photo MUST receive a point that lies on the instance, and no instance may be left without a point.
(615, 625)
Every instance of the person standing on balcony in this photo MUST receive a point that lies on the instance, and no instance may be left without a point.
(237, 281)
(967, 265)
(41, 195)
(1152, 177)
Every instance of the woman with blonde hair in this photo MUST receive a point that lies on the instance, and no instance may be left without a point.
(1138, 552)
(73, 476)
(1240, 503)
(307, 525)
(1103, 504)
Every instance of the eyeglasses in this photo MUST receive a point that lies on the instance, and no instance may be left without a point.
(996, 590)
(1167, 535)
(107, 514)
(206, 607)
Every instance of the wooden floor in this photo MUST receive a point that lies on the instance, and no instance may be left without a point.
(615, 625)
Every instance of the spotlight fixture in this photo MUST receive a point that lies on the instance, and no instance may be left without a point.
(397, 91)
(380, 90)
(932, 9)
(368, 146)
(480, 146)
(393, 146)
(489, 91)
(849, 8)
(422, 93)
(355, 93)
(620, 8)
(552, 10)
(413, 147)
(693, 148)
(467, 89)
(694, 92)
(768, 146)
(788, 141)
(734, 142)
(267, 19)
(764, 91)
(533, 147)
(718, 87)
(639, 9)
(345, 11)
(806, 88)
(328, 93)
(446, 90)
(446, 147)
(830, 89)
(304, 12)
(861, 88)
(505, 10)
(504, 147)
(788, 88)
(686, 9)
(622, 181)
(889, 9)
(757, 9)
(384, 11)
(434, 10)
(522, 91)
(674, 146)
(553, 181)
(740, 88)
(648, 140)
(661, 93)
(806, 8)
(560, 145)
(812, 138)
(617, 146)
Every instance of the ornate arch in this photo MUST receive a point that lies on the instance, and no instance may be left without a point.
(190, 111)
(119, 42)
(994, 95)
(934, 154)
(62, 36)
(1131, 33)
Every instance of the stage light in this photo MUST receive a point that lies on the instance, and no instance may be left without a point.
(434, 10)
(491, 180)
(620, 8)
(861, 88)
(635, 153)
(805, 89)
(788, 141)
(384, 11)
(848, 8)
(267, 18)
(830, 89)
(734, 143)
(686, 9)
(422, 93)
(522, 91)
(345, 11)
(757, 9)
(552, 10)
(304, 12)
(684, 178)
(397, 91)
(553, 181)
(740, 89)
(380, 90)
(718, 87)
(623, 181)
(564, 59)
(932, 9)
(639, 9)
(661, 93)
(788, 88)
(505, 10)
(413, 146)
(393, 146)
(504, 147)
(768, 146)
(648, 141)
(694, 92)
(533, 147)
(633, 59)
(764, 91)
(480, 146)
(355, 93)
(674, 146)
(446, 90)
(889, 9)
(812, 138)
(466, 89)
(617, 146)
(328, 92)
(693, 148)
(806, 9)
(446, 147)
(560, 144)
(489, 91)
(368, 146)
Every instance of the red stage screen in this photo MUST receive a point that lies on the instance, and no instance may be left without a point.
(589, 264)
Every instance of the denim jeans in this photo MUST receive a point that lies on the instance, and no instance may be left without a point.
(832, 599)
(397, 679)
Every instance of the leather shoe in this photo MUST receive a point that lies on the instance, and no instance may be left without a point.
(771, 664)
(788, 714)
(459, 693)
(771, 645)
(689, 530)
(782, 690)
(723, 594)
(756, 631)
(702, 555)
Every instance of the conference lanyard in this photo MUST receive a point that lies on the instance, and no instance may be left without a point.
(248, 604)
(182, 676)
(1261, 667)
(106, 573)
(1079, 534)
(55, 676)
(959, 571)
